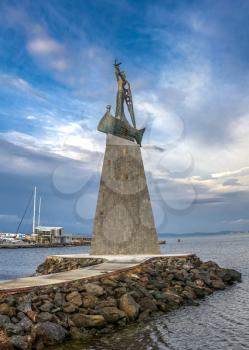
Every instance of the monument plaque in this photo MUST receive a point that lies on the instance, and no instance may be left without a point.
(124, 222)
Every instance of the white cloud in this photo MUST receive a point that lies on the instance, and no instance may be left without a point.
(20, 84)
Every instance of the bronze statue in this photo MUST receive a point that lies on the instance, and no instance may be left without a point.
(119, 125)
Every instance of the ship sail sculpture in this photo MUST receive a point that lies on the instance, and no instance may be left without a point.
(119, 125)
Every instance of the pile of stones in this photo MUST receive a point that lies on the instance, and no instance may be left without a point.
(85, 308)
(54, 264)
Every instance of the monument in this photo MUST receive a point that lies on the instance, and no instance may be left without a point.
(124, 222)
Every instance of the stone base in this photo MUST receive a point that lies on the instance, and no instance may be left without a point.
(124, 222)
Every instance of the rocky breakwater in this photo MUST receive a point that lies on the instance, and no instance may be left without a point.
(85, 308)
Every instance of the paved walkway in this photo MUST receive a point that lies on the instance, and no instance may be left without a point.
(112, 263)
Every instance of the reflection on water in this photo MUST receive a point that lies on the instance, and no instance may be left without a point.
(220, 322)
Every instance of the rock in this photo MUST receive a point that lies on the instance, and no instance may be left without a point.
(112, 314)
(158, 284)
(33, 315)
(19, 342)
(148, 304)
(24, 306)
(120, 291)
(45, 316)
(89, 301)
(5, 341)
(59, 299)
(107, 302)
(47, 306)
(25, 324)
(81, 320)
(4, 319)
(144, 315)
(208, 265)
(78, 334)
(188, 293)
(172, 298)
(75, 298)
(11, 329)
(50, 333)
(229, 275)
(69, 308)
(129, 306)
(94, 289)
(218, 284)
(6, 309)
(109, 282)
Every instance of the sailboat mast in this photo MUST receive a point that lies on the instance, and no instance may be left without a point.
(39, 212)
(34, 210)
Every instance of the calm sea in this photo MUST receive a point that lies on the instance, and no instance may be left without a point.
(220, 322)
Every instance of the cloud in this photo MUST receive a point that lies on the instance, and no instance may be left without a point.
(19, 84)
(241, 171)
(47, 51)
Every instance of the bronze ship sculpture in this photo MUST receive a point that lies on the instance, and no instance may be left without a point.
(119, 125)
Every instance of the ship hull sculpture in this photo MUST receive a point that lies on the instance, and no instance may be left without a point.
(119, 125)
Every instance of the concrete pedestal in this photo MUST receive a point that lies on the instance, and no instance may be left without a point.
(124, 221)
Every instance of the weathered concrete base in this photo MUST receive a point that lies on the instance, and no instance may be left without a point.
(124, 222)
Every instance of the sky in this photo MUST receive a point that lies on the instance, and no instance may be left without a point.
(188, 66)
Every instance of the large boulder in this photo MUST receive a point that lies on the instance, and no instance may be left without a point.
(6, 309)
(75, 298)
(89, 301)
(112, 314)
(129, 306)
(4, 319)
(229, 275)
(85, 321)
(19, 342)
(50, 333)
(94, 289)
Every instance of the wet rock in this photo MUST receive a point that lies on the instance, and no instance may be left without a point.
(112, 314)
(78, 334)
(94, 289)
(75, 298)
(148, 304)
(229, 275)
(50, 333)
(218, 284)
(208, 265)
(81, 320)
(172, 298)
(129, 306)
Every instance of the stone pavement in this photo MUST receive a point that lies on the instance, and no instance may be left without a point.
(113, 263)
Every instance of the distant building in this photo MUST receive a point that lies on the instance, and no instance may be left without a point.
(48, 235)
